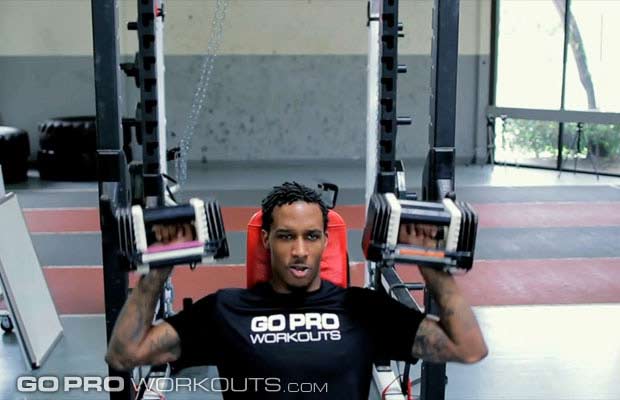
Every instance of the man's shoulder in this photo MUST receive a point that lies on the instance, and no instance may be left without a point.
(365, 297)
(221, 295)
(354, 292)
(361, 291)
(231, 291)
(228, 294)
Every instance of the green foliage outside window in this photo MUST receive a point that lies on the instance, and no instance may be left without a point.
(527, 136)
(540, 138)
(602, 140)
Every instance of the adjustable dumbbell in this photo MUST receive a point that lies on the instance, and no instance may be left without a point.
(457, 225)
(138, 242)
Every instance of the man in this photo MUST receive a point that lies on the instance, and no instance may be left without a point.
(296, 329)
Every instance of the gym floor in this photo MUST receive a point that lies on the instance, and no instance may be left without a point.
(545, 285)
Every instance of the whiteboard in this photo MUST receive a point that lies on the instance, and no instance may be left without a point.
(25, 289)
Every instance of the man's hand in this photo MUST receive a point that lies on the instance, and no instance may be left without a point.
(418, 235)
(175, 233)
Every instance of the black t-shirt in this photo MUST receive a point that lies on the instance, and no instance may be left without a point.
(272, 345)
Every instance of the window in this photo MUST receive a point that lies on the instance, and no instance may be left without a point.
(557, 60)
(592, 147)
(529, 54)
(593, 63)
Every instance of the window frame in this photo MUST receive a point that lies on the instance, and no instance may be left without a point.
(562, 116)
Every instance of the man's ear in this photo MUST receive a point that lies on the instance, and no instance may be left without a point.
(264, 235)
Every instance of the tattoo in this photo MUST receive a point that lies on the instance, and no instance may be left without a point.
(456, 336)
(133, 340)
(164, 343)
(117, 348)
(142, 307)
(161, 342)
(447, 313)
(138, 329)
(431, 343)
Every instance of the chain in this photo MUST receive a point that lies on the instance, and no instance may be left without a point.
(200, 93)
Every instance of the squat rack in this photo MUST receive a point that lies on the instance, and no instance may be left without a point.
(121, 181)
(385, 174)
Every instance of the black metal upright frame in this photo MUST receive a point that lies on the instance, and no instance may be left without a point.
(113, 174)
(439, 169)
(112, 166)
(388, 119)
(148, 11)
(438, 179)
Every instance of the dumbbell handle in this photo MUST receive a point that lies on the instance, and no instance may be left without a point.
(419, 216)
(176, 214)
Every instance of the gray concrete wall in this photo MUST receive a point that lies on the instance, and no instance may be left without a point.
(290, 82)
(34, 88)
(283, 107)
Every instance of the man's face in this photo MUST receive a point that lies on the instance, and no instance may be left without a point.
(296, 242)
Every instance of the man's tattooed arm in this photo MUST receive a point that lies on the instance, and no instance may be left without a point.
(135, 341)
(456, 336)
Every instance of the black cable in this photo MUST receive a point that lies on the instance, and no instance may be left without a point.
(171, 179)
(174, 181)
(171, 194)
(404, 384)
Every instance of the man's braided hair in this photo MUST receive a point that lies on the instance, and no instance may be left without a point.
(288, 193)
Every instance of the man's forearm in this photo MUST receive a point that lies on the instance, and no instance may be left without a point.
(136, 317)
(456, 316)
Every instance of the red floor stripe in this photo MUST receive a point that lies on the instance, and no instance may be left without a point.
(79, 290)
(495, 215)
(62, 220)
(544, 215)
(541, 281)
